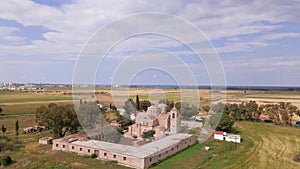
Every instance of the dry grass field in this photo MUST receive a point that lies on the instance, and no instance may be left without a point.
(16, 97)
(273, 146)
(264, 145)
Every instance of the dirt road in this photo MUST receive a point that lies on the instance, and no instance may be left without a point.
(35, 102)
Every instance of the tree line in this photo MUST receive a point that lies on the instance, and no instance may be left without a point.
(279, 113)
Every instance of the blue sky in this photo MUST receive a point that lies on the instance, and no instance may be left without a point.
(257, 42)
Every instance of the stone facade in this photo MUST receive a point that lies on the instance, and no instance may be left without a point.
(158, 119)
(45, 140)
(140, 157)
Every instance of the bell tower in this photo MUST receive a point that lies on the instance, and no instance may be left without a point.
(175, 123)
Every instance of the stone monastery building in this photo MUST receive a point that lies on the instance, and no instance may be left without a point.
(156, 118)
(140, 157)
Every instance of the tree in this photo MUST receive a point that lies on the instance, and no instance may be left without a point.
(251, 108)
(61, 118)
(17, 127)
(145, 104)
(5, 160)
(218, 108)
(137, 101)
(130, 107)
(214, 120)
(234, 111)
(206, 108)
(170, 104)
(256, 115)
(287, 111)
(148, 134)
(3, 129)
(187, 110)
(178, 105)
(298, 113)
(221, 122)
(89, 114)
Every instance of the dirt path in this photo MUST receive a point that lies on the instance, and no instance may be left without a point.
(273, 147)
(34, 102)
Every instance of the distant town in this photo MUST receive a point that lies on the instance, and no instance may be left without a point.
(30, 86)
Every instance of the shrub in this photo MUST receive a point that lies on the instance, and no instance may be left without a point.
(94, 156)
(268, 120)
(5, 160)
(148, 134)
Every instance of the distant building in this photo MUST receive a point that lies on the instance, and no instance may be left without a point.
(219, 135)
(35, 129)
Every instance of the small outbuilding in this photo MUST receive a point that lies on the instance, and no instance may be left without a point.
(206, 148)
(233, 138)
(45, 140)
(219, 135)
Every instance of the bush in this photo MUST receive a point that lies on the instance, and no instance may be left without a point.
(297, 158)
(94, 156)
(148, 134)
(268, 121)
(5, 160)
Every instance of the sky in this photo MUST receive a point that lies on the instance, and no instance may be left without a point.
(257, 42)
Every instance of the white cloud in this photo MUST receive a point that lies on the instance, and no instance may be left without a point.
(275, 36)
(71, 25)
(74, 23)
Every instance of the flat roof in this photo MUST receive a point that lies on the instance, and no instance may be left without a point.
(138, 152)
(233, 135)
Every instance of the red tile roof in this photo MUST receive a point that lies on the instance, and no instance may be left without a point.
(218, 132)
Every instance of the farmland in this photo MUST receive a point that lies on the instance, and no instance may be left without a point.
(264, 145)
(17, 97)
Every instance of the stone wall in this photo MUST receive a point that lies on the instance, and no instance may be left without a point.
(163, 154)
(127, 160)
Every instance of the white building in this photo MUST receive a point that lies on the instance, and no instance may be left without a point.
(233, 138)
(219, 135)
